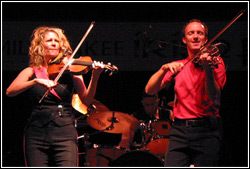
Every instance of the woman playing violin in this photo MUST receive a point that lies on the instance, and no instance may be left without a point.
(50, 138)
(195, 135)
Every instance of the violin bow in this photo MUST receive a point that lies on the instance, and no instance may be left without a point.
(69, 62)
(223, 30)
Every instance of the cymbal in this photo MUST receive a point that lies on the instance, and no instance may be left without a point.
(112, 121)
(82, 108)
(171, 104)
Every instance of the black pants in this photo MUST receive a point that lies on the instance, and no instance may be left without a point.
(197, 145)
(51, 146)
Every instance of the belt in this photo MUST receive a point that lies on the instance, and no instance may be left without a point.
(191, 122)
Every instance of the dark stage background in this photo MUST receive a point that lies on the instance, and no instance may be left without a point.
(121, 92)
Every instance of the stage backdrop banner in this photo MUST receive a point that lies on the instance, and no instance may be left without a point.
(131, 46)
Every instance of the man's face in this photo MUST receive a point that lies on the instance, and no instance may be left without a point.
(150, 105)
(195, 36)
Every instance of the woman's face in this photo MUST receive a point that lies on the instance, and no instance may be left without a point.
(51, 45)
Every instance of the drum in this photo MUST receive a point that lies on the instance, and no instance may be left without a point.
(158, 147)
(102, 155)
(137, 158)
(149, 132)
(156, 137)
(159, 128)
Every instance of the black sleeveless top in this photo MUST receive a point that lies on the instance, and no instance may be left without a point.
(52, 108)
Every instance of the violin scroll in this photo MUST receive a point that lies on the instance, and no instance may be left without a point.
(213, 51)
(113, 68)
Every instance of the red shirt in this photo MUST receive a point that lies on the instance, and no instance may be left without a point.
(191, 99)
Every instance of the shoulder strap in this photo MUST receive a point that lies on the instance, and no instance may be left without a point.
(42, 73)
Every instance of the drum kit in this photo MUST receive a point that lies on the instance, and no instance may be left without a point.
(149, 152)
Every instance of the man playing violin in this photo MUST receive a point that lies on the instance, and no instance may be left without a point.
(195, 135)
(50, 138)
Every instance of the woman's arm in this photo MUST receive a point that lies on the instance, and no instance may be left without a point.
(87, 94)
(22, 82)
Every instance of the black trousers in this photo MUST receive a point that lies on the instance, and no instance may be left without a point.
(198, 145)
(51, 145)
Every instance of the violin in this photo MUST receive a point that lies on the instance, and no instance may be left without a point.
(77, 66)
(212, 51)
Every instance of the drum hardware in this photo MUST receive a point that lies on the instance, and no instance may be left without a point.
(102, 156)
(143, 128)
(106, 157)
(80, 123)
(158, 127)
(86, 136)
(112, 121)
(83, 153)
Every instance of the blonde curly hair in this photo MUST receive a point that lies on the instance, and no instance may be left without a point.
(36, 49)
